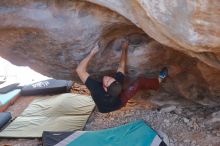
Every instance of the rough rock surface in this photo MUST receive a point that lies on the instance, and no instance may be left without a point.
(53, 36)
(189, 26)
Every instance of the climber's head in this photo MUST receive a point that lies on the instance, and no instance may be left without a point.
(111, 86)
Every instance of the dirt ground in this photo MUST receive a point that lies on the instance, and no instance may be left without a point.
(183, 125)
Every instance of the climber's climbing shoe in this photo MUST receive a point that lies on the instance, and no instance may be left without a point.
(164, 73)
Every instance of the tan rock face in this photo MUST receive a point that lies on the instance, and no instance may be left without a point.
(52, 37)
(189, 26)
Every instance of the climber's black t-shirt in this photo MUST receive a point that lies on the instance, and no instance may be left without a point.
(103, 100)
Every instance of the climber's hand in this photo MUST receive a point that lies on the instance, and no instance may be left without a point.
(95, 49)
(124, 44)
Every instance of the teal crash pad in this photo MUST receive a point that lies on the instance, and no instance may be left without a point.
(137, 133)
(7, 97)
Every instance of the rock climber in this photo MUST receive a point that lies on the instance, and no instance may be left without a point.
(109, 95)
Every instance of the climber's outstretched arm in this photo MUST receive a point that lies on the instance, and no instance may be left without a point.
(123, 60)
(82, 67)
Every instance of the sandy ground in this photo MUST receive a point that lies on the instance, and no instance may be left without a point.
(183, 125)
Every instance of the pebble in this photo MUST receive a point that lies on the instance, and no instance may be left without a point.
(186, 141)
(190, 124)
(186, 120)
(166, 121)
(193, 142)
(168, 109)
(208, 136)
(216, 115)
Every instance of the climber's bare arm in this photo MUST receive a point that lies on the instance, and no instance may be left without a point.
(123, 60)
(82, 67)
